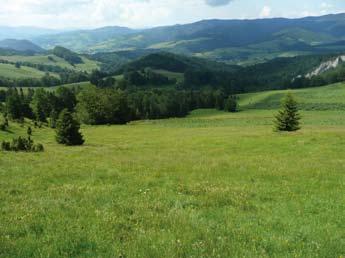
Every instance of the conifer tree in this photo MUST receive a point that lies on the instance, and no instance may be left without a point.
(40, 105)
(13, 106)
(29, 131)
(288, 118)
(53, 118)
(67, 130)
(6, 121)
(231, 104)
(219, 100)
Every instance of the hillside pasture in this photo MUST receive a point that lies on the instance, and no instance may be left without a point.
(331, 97)
(170, 75)
(12, 72)
(53, 60)
(213, 184)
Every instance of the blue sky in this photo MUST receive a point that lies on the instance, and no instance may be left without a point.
(148, 13)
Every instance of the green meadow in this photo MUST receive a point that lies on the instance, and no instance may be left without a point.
(87, 65)
(325, 98)
(10, 71)
(213, 184)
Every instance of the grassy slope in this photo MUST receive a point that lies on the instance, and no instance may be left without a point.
(10, 71)
(171, 75)
(88, 65)
(214, 184)
(330, 97)
(71, 85)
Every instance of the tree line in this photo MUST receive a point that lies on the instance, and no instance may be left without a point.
(94, 105)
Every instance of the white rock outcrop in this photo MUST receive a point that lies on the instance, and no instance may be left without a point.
(326, 66)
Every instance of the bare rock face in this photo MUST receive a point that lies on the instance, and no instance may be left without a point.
(326, 66)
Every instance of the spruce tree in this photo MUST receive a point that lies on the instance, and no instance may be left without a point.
(29, 132)
(13, 106)
(67, 130)
(231, 104)
(219, 100)
(53, 118)
(288, 117)
(40, 105)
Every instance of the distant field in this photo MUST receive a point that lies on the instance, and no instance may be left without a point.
(176, 44)
(247, 56)
(72, 85)
(88, 65)
(171, 75)
(330, 97)
(10, 71)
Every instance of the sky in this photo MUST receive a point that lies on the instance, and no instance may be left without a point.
(63, 14)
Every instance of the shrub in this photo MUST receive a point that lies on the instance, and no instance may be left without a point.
(4, 125)
(5, 146)
(38, 148)
(21, 144)
(29, 131)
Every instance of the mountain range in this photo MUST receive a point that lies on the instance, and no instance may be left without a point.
(240, 42)
(24, 32)
(232, 41)
(20, 45)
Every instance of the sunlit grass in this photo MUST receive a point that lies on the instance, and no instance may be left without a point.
(214, 184)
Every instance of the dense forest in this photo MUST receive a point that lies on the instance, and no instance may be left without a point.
(138, 91)
(110, 105)
(197, 73)
(68, 55)
(280, 73)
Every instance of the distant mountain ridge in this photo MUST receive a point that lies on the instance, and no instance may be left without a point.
(240, 42)
(233, 41)
(81, 40)
(20, 45)
(24, 32)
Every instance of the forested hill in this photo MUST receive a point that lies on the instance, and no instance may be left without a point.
(177, 63)
(20, 45)
(280, 73)
(150, 68)
(82, 40)
(233, 41)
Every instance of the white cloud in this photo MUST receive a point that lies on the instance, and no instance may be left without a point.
(217, 2)
(325, 5)
(309, 13)
(97, 13)
(265, 12)
(83, 13)
(145, 13)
